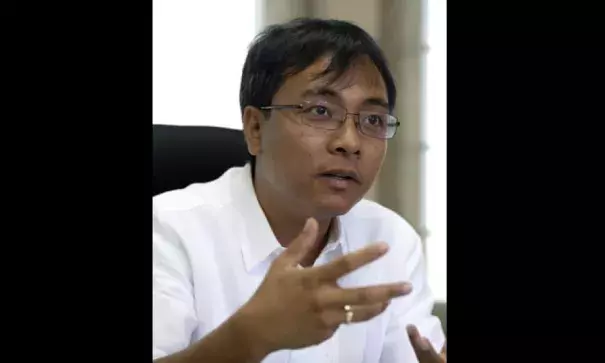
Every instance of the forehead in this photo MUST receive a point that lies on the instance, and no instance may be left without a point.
(361, 79)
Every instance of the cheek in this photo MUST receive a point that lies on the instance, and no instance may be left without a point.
(294, 159)
(375, 154)
(290, 148)
(299, 144)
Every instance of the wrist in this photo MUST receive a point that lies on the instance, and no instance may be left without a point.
(245, 328)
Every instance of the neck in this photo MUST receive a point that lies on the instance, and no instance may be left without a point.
(287, 221)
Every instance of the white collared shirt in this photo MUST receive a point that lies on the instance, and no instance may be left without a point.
(212, 246)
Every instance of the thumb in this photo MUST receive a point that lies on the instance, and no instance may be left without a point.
(301, 245)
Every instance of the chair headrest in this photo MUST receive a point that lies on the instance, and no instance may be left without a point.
(183, 155)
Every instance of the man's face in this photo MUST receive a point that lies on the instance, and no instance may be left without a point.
(322, 172)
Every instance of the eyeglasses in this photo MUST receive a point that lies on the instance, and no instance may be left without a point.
(327, 116)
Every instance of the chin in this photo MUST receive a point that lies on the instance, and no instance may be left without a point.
(333, 206)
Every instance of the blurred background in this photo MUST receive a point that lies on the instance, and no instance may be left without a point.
(199, 48)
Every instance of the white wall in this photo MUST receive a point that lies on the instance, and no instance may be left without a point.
(199, 48)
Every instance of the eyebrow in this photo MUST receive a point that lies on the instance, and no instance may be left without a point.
(329, 92)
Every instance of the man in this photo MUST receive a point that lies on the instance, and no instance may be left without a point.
(282, 260)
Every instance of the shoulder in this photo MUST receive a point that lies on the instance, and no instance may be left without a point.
(375, 220)
(368, 222)
(187, 221)
(210, 197)
(198, 212)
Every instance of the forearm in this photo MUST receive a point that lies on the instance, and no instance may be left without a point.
(231, 342)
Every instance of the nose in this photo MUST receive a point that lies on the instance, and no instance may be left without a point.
(346, 139)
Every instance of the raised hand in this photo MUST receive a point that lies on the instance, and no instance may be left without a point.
(295, 308)
(423, 348)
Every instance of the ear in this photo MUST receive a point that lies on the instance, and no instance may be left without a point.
(252, 119)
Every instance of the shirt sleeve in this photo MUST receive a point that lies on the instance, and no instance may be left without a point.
(415, 308)
(174, 318)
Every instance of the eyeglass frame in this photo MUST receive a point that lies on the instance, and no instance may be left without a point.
(301, 106)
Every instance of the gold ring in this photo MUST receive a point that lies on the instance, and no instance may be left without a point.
(348, 314)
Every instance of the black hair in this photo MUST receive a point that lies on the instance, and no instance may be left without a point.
(283, 50)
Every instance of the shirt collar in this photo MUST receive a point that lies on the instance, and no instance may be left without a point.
(334, 236)
(259, 242)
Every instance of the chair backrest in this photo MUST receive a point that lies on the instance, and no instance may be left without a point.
(440, 311)
(183, 155)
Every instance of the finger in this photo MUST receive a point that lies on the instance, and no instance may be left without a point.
(350, 262)
(300, 246)
(361, 313)
(338, 297)
(422, 347)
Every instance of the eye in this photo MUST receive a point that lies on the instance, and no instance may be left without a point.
(319, 111)
(375, 120)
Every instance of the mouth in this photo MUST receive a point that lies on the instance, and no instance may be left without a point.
(346, 175)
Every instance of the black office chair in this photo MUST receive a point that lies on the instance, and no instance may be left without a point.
(194, 154)
(440, 310)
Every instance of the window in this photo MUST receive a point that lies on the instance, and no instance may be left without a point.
(199, 48)
(435, 186)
